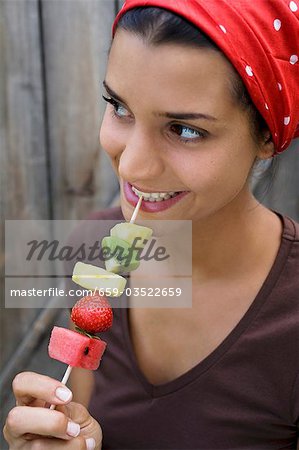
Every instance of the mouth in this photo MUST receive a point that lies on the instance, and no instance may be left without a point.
(155, 196)
(152, 201)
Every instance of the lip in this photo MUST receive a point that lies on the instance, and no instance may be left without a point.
(152, 207)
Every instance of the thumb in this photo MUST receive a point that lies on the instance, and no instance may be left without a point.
(90, 428)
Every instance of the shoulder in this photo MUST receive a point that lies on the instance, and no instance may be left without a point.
(290, 243)
(288, 255)
(96, 225)
(284, 284)
(290, 228)
(280, 292)
(86, 236)
(114, 213)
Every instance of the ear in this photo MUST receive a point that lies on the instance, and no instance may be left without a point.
(266, 146)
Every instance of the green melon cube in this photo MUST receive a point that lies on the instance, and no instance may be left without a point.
(95, 278)
(130, 231)
(117, 247)
(121, 260)
(115, 266)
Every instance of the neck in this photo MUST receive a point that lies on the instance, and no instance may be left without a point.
(234, 241)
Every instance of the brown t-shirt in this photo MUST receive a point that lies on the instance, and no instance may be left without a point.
(244, 395)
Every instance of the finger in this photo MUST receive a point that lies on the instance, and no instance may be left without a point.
(78, 443)
(76, 412)
(29, 386)
(89, 426)
(23, 421)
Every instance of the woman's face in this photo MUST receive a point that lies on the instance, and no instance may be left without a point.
(173, 127)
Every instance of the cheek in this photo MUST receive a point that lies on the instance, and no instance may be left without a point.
(218, 176)
(109, 137)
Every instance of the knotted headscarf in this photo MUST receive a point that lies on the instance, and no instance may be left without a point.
(261, 40)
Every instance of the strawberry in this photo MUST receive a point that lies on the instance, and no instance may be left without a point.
(92, 314)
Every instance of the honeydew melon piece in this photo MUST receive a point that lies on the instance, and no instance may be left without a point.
(115, 266)
(122, 260)
(96, 278)
(130, 231)
(112, 242)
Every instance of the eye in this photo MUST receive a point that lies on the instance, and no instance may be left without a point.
(118, 110)
(187, 134)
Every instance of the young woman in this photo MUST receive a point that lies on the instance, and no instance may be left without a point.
(197, 93)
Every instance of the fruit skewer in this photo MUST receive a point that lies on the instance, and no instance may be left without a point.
(135, 212)
(83, 342)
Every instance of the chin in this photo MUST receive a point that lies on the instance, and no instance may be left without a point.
(126, 210)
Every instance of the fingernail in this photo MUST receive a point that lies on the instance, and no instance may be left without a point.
(63, 394)
(73, 429)
(90, 444)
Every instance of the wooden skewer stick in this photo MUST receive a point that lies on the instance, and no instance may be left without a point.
(69, 368)
(134, 215)
(64, 380)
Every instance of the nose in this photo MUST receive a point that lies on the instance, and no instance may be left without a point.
(142, 157)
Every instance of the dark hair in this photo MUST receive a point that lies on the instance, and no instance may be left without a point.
(159, 26)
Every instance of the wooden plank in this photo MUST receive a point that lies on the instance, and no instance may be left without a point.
(77, 39)
(23, 169)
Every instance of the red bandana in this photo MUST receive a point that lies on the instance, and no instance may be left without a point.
(261, 39)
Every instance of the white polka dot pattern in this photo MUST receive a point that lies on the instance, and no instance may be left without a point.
(249, 71)
(259, 38)
(286, 120)
(277, 24)
(294, 59)
(293, 6)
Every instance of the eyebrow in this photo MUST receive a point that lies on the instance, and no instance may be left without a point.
(169, 115)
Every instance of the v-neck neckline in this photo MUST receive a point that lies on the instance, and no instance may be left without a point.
(206, 363)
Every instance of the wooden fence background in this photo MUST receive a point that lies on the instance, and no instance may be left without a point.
(53, 55)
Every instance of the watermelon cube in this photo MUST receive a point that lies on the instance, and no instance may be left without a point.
(76, 349)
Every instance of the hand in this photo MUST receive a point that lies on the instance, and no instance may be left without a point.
(31, 425)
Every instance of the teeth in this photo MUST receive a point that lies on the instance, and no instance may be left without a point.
(154, 196)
